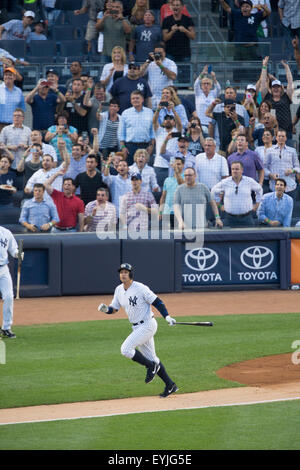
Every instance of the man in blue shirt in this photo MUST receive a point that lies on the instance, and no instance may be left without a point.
(124, 86)
(11, 97)
(38, 214)
(245, 26)
(276, 207)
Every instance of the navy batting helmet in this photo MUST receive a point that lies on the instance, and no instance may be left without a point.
(127, 267)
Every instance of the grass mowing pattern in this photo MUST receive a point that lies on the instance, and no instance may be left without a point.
(265, 426)
(71, 362)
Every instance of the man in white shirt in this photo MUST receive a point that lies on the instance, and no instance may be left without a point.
(161, 72)
(137, 299)
(47, 149)
(236, 193)
(206, 90)
(211, 167)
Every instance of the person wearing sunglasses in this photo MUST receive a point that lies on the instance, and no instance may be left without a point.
(234, 194)
(43, 104)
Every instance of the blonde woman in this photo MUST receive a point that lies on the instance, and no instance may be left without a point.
(116, 69)
(149, 181)
(169, 103)
(138, 11)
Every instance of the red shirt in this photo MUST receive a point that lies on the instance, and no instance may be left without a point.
(68, 208)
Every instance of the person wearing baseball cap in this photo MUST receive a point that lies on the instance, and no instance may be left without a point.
(52, 76)
(279, 97)
(38, 32)
(245, 24)
(17, 29)
(12, 97)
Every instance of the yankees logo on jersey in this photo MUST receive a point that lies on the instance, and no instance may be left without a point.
(133, 301)
(136, 301)
(3, 242)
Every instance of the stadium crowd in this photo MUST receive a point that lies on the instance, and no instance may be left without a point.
(128, 147)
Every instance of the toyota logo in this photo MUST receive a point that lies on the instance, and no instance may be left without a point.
(257, 257)
(201, 259)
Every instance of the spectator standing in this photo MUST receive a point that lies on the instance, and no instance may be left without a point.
(235, 192)
(206, 89)
(245, 25)
(166, 209)
(161, 72)
(118, 184)
(117, 68)
(100, 215)
(138, 11)
(170, 102)
(290, 20)
(25, 168)
(51, 13)
(76, 72)
(43, 105)
(283, 163)
(276, 208)
(70, 208)
(38, 214)
(16, 136)
(90, 180)
(17, 29)
(166, 10)
(190, 199)
(252, 164)
(144, 38)
(210, 166)
(37, 138)
(182, 151)
(77, 163)
(92, 8)
(11, 97)
(280, 99)
(114, 27)
(96, 103)
(52, 77)
(136, 128)
(123, 87)
(269, 124)
(108, 129)
(178, 31)
(61, 131)
(74, 106)
(171, 124)
(136, 206)
(140, 165)
(195, 135)
(263, 151)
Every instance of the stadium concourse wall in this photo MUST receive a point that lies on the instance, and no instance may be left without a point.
(82, 264)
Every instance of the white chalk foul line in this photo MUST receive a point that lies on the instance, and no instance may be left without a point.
(152, 411)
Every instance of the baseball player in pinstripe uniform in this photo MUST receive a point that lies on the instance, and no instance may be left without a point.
(136, 298)
(9, 245)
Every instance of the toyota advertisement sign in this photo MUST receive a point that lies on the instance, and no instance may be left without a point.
(231, 263)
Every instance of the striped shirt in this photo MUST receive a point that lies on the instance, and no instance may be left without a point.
(110, 138)
(237, 196)
(211, 170)
(38, 213)
(9, 101)
(133, 217)
(278, 162)
(105, 218)
(11, 135)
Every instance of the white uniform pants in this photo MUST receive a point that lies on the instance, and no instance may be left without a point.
(142, 337)
(6, 289)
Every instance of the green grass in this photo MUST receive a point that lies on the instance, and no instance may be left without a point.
(264, 426)
(81, 361)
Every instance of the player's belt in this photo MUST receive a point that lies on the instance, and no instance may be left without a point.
(239, 215)
(140, 322)
(64, 228)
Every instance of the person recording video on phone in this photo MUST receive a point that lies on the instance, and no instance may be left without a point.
(161, 72)
(182, 151)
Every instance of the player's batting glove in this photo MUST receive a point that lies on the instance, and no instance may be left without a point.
(103, 308)
(170, 320)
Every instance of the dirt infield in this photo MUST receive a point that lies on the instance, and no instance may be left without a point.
(268, 379)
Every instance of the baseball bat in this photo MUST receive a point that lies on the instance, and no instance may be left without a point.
(20, 251)
(195, 323)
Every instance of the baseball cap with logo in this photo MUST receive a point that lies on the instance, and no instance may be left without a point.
(29, 13)
(55, 72)
(251, 87)
(276, 83)
(183, 137)
(246, 1)
(136, 176)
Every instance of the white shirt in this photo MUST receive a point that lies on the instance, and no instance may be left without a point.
(106, 71)
(40, 176)
(202, 102)
(136, 301)
(172, 146)
(237, 197)
(211, 170)
(8, 244)
(158, 80)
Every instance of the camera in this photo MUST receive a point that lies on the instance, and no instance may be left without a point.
(84, 135)
(150, 58)
(164, 104)
(176, 134)
(113, 12)
(232, 107)
(193, 125)
(157, 56)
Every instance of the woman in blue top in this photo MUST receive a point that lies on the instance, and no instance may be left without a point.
(61, 130)
(170, 99)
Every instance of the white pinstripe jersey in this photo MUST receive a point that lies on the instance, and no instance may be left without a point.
(7, 244)
(136, 301)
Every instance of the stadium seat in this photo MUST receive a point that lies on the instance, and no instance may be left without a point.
(276, 49)
(68, 4)
(42, 51)
(76, 20)
(64, 32)
(17, 48)
(73, 50)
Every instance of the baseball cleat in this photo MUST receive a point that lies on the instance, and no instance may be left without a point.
(151, 372)
(168, 390)
(8, 334)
